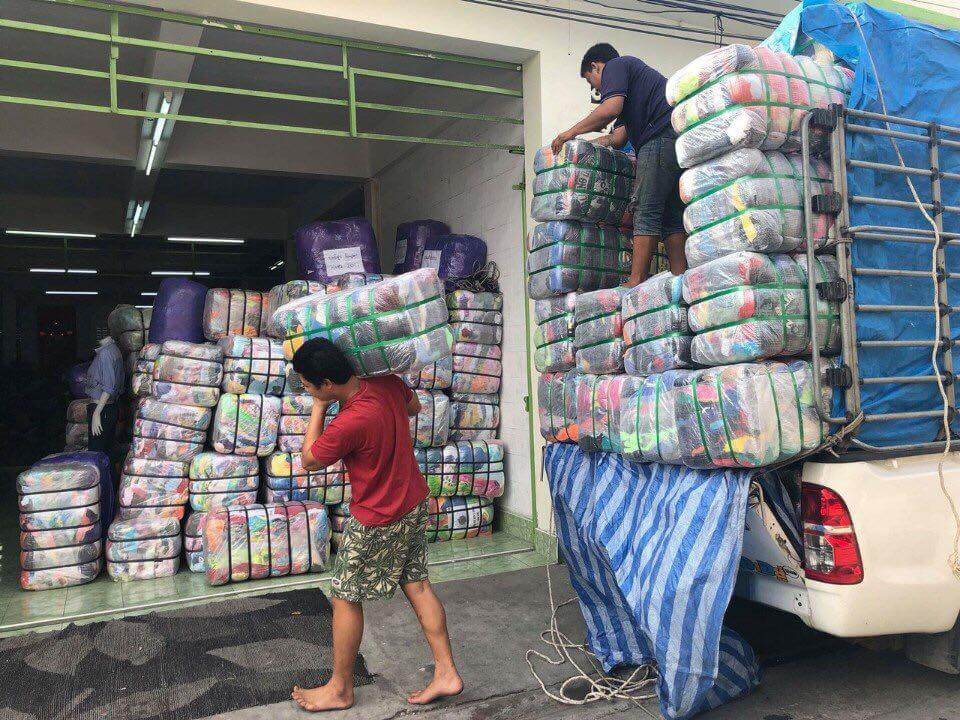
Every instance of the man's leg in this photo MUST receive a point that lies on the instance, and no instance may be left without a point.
(675, 243)
(433, 619)
(650, 190)
(337, 694)
(644, 246)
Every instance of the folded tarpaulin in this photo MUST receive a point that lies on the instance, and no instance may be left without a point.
(652, 552)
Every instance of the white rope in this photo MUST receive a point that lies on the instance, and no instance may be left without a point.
(954, 559)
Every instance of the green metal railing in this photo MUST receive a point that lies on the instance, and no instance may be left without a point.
(116, 40)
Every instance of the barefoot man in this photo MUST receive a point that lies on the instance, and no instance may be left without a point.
(384, 541)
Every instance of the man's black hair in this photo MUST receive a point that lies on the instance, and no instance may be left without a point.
(601, 52)
(319, 359)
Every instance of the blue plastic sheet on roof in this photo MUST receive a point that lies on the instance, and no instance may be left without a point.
(917, 69)
(653, 552)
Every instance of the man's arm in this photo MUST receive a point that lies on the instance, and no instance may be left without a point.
(601, 116)
(413, 404)
(314, 431)
(615, 139)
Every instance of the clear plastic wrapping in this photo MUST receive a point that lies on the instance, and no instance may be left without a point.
(286, 480)
(338, 514)
(253, 365)
(193, 541)
(143, 548)
(655, 329)
(188, 373)
(431, 426)
(284, 293)
(557, 406)
(167, 431)
(295, 411)
(751, 200)
(246, 424)
(458, 518)
(233, 312)
(477, 368)
(476, 317)
(397, 325)
(569, 256)
(748, 97)
(154, 488)
(748, 306)
(141, 381)
(463, 468)
(584, 182)
(598, 331)
(599, 404)
(218, 481)
(553, 338)
(129, 326)
(474, 417)
(435, 376)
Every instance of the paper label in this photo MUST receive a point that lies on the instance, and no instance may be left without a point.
(431, 259)
(343, 260)
(401, 251)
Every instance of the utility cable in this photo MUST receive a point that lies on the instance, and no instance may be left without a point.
(683, 8)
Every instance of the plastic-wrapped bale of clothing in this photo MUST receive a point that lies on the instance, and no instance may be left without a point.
(412, 239)
(259, 541)
(178, 311)
(454, 256)
(431, 426)
(193, 541)
(233, 312)
(655, 326)
(295, 411)
(218, 481)
(569, 256)
(141, 382)
(598, 331)
(477, 368)
(294, 385)
(287, 480)
(326, 249)
(129, 326)
(600, 403)
(153, 488)
(557, 397)
(339, 514)
(166, 431)
(394, 326)
(748, 306)
(474, 416)
(351, 280)
(748, 97)
(584, 182)
(648, 430)
(553, 338)
(751, 200)
(143, 548)
(60, 503)
(78, 430)
(253, 365)
(188, 373)
(476, 317)
(77, 379)
(469, 467)
(435, 376)
(246, 424)
(458, 518)
(282, 294)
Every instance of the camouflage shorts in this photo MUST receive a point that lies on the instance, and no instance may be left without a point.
(373, 561)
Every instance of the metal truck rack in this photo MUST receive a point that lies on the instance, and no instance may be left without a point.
(845, 375)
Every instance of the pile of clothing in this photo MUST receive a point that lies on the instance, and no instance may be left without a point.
(571, 256)
(553, 338)
(431, 426)
(78, 430)
(286, 480)
(129, 326)
(233, 312)
(144, 547)
(458, 518)
(464, 468)
(655, 329)
(598, 331)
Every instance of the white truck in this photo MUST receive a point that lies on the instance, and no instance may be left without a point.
(861, 541)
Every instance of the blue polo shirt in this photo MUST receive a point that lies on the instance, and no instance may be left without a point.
(645, 110)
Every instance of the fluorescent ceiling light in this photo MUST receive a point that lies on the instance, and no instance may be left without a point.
(143, 307)
(212, 241)
(153, 156)
(72, 292)
(81, 271)
(276, 265)
(196, 273)
(45, 233)
(161, 122)
(136, 219)
(63, 271)
(148, 294)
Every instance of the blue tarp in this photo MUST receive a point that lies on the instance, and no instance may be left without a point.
(653, 552)
(918, 68)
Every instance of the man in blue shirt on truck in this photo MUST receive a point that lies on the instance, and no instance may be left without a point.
(634, 94)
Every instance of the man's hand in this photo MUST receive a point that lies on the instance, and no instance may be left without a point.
(559, 140)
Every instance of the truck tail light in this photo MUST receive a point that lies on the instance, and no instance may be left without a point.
(831, 553)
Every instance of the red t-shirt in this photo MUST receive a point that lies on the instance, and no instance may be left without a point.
(371, 434)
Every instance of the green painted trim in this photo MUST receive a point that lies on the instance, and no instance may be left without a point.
(493, 89)
(54, 30)
(931, 17)
(440, 113)
(223, 89)
(352, 95)
(114, 58)
(59, 104)
(62, 69)
(233, 123)
(546, 545)
(440, 141)
(516, 525)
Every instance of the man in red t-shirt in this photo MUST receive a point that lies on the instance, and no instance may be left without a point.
(384, 541)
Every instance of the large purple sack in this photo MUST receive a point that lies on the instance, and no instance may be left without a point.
(412, 239)
(77, 379)
(178, 311)
(455, 256)
(102, 461)
(328, 249)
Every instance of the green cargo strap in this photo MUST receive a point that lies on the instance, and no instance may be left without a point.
(629, 345)
(776, 409)
(736, 106)
(577, 191)
(767, 71)
(404, 338)
(353, 337)
(618, 249)
(597, 343)
(726, 425)
(773, 175)
(594, 168)
(556, 317)
(585, 320)
(739, 213)
(783, 215)
(696, 408)
(650, 311)
(580, 268)
(758, 286)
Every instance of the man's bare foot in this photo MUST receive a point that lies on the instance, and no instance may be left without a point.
(325, 697)
(442, 686)
(631, 283)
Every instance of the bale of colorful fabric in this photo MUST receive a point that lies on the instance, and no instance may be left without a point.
(253, 365)
(751, 200)
(153, 488)
(233, 312)
(193, 541)
(295, 411)
(599, 410)
(397, 325)
(246, 424)
(129, 326)
(286, 480)
(287, 292)
(261, 541)
(458, 518)
(338, 514)
(655, 326)
(598, 331)
(143, 548)
(477, 368)
(748, 97)
(569, 256)
(431, 426)
(553, 338)
(464, 468)
(218, 481)
(748, 306)
(188, 373)
(583, 182)
(474, 416)
(476, 317)
(557, 398)
(167, 431)
(141, 381)
(435, 376)
(77, 430)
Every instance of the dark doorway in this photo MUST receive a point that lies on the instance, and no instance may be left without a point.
(56, 337)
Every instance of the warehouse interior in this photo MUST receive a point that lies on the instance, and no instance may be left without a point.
(129, 138)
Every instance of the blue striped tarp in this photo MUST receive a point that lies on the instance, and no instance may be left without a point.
(653, 552)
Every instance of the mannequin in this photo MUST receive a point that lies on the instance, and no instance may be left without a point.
(104, 386)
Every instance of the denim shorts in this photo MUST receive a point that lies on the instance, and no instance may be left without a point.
(657, 207)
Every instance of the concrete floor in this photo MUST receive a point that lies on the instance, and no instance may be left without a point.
(495, 619)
